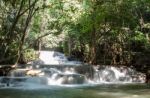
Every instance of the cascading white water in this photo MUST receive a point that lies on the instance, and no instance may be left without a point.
(54, 58)
(122, 74)
(57, 70)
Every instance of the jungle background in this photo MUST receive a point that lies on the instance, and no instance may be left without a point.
(99, 32)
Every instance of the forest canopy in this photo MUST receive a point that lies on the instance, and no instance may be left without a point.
(94, 31)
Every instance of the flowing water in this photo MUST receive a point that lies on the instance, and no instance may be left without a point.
(53, 76)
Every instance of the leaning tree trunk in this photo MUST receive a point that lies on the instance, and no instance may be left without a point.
(31, 12)
(9, 35)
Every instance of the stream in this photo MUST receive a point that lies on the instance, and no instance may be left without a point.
(53, 76)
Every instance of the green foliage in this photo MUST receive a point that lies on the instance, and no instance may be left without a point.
(139, 36)
(112, 23)
(99, 30)
(30, 55)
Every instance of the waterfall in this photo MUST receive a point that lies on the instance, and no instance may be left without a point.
(54, 72)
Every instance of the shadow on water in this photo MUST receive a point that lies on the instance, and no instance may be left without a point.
(101, 91)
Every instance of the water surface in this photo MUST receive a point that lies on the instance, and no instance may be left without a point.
(101, 91)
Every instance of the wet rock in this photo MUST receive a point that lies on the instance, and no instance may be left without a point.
(34, 72)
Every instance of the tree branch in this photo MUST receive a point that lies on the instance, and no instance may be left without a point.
(30, 5)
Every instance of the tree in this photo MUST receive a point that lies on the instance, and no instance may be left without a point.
(14, 29)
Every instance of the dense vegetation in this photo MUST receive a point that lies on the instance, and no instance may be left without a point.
(108, 32)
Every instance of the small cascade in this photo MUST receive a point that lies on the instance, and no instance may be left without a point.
(117, 75)
(1, 83)
(18, 73)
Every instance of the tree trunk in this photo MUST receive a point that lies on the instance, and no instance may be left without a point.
(31, 12)
(93, 47)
